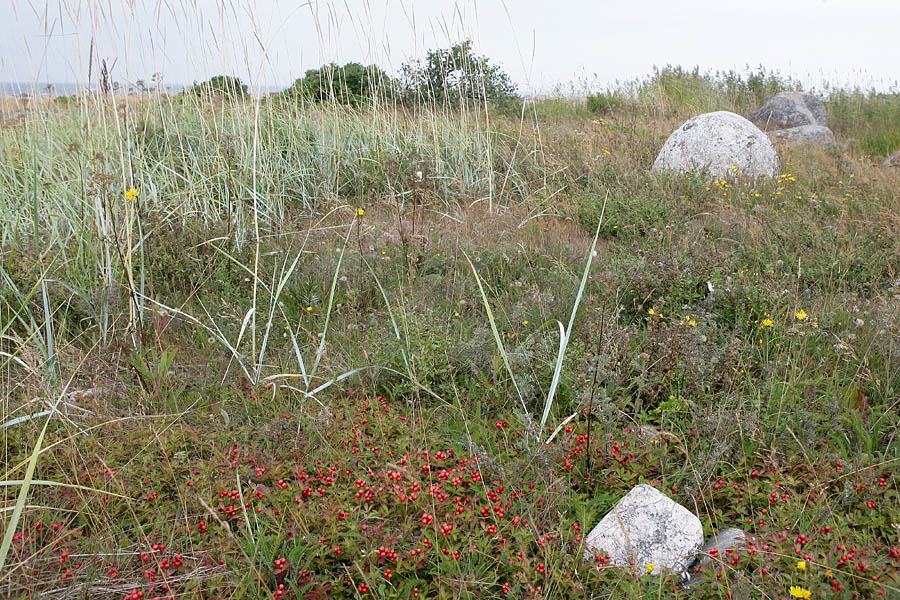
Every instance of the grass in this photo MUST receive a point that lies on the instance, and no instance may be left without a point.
(243, 386)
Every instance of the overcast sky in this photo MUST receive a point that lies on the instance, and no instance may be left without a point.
(540, 43)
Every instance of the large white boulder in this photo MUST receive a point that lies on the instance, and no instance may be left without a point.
(790, 109)
(647, 528)
(721, 144)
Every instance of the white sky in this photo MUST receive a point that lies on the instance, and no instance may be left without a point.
(540, 43)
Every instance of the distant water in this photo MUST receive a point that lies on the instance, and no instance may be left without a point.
(20, 88)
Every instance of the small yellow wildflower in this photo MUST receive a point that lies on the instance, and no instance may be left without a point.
(455, 314)
(309, 309)
(801, 315)
(768, 323)
(801, 564)
(650, 567)
(132, 193)
(651, 312)
(798, 592)
(525, 322)
(360, 211)
(829, 574)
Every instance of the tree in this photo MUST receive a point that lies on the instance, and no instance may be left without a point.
(351, 84)
(456, 74)
(226, 87)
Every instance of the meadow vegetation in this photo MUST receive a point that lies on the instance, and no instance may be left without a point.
(246, 351)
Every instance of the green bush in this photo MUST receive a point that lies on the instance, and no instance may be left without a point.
(223, 86)
(604, 102)
(679, 91)
(456, 75)
(351, 84)
(871, 119)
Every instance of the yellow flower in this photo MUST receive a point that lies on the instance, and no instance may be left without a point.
(801, 564)
(798, 592)
(360, 211)
(309, 309)
(456, 314)
(650, 311)
(768, 323)
(132, 193)
(801, 315)
(525, 322)
(650, 567)
(829, 574)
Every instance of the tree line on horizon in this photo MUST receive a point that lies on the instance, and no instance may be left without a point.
(455, 75)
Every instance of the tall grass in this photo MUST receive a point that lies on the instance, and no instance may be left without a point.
(204, 164)
(679, 91)
(194, 163)
(871, 120)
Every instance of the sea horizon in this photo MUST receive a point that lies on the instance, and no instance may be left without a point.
(67, 88)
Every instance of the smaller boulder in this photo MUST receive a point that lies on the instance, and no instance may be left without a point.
(725, 540)
(649, 530)
(790, 109)
(814, 135)
(893, 160)
(716, 548)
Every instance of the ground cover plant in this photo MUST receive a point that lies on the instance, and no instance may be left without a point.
(246, 352)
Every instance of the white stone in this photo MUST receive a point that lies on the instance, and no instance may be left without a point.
(893, 160)
(726, 539)
(646, 527)
(720, 143)
(814, 135)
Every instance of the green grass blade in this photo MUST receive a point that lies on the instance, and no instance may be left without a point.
(72, 486)
(334, 280)
(565, 335)
(563, 338)
(25, 483)
(503, 354)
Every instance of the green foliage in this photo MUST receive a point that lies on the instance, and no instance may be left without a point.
(69, 100)
(871, 119)
(604, 102)
(226, 87)
(676, 90)
(456, 75)
(351, 84)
